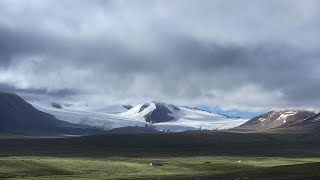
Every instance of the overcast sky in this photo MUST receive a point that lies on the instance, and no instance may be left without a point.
(249, 55)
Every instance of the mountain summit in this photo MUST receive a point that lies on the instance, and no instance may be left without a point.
(155, 112)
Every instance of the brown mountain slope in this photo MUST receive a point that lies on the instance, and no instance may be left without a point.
(278, 119)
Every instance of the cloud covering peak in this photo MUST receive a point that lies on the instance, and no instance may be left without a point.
(247, 55)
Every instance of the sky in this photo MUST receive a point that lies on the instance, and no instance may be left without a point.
(241, 56)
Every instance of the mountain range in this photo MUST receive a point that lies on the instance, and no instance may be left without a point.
(17, 115)
(162, 116)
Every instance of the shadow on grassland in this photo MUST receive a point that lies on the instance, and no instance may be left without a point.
(178, 144)
(288, 172)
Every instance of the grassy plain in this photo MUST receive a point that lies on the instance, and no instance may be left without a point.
(197, 155)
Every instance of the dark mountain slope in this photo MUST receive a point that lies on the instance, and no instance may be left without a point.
(162, 112)
(16, 115)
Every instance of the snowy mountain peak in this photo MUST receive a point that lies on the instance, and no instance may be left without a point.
(154, 112)
(147, 105)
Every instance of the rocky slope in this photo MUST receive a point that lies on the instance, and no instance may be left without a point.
(278, 119)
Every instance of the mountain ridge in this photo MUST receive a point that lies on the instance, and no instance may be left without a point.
(19, 116)
(179, 118)
(278, 119)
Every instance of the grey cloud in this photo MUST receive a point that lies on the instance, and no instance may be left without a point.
(41, 92)
(234, 55)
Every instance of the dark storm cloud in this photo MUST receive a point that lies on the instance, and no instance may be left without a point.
(225, 53)
(6, 88)
(13, 43)
(41, 92)
(22, 42)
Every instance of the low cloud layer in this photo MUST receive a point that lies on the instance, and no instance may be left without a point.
(246, 55)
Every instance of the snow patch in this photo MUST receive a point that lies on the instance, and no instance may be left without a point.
(135, 112)
(285, 115)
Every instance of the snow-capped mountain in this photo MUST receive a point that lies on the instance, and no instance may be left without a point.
(278, 119)
(154, 112)
(163, 117)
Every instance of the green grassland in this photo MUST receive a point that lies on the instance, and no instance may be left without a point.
(199, 155)
(174, 167)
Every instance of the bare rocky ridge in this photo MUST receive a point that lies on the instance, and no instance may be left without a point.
(161, 113)
(127, 106)
(315, 119)
(56, 105)
(278, 119)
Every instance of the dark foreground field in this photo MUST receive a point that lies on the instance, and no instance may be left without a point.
(198, 155)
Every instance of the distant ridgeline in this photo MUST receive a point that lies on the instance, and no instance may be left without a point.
(19, 116)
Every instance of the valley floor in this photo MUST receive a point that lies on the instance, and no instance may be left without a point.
(201, 167)
(205, 155)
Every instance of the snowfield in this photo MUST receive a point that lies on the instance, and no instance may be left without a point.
(118, 116)
(200, 120)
